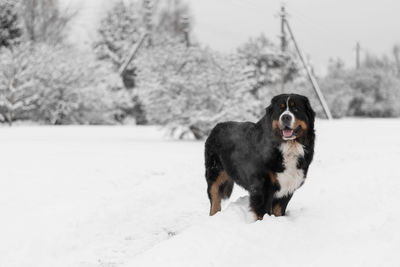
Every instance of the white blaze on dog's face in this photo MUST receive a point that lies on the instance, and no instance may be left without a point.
(286, 120)
(291, 115)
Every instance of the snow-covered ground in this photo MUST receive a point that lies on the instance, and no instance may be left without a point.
(126, 196)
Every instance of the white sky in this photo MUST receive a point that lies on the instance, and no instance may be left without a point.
(324, 29)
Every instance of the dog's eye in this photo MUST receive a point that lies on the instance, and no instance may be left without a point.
(295, 109)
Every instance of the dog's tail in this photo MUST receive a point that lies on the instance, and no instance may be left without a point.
(214, 169)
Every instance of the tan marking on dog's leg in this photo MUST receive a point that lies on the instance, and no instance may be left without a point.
(258, 218)
(215, 195)
(277, 210)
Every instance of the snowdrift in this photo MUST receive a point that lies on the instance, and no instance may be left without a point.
(126, 196)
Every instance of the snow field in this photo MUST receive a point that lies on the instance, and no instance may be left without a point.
(126, 196)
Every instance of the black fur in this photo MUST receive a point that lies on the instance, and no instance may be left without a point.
(249, 152)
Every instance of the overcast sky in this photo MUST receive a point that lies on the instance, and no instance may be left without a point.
(324, 29)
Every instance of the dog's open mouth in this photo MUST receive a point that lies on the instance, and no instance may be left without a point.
(290, 134)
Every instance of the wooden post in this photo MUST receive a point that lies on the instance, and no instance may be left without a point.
(310, 76)
(148, 19)
(186, 26)
(358, 48)
(132, 54)
(396, 51)
(283, 46)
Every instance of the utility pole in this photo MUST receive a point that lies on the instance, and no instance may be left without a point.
(186, 28)
(396, 50)
(282, 14)
(148, 20)
(358, 49)
(309, 74)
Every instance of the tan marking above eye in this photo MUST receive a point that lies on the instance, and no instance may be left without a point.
(292, 104)
(282, 105)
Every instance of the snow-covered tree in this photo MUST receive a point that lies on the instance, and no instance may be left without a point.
(170, 18)
(371, 91)
(57, 85)
(10, 24)
(190, 90)
(119, 31)
(44, 20)
(123, 27)
(264, 59)
(75, 89)
(18, 69)
(125, 23)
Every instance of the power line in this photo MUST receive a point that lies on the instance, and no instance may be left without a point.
(311, 77)
(247, 5)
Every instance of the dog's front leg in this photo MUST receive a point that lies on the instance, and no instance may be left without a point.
(261, 201)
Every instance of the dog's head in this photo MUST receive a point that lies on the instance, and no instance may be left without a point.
(291, 116)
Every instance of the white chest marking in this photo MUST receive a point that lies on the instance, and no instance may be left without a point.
(292, 177)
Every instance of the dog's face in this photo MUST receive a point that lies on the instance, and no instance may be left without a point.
(291, 116)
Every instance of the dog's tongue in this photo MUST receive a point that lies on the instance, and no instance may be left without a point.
(287, 133)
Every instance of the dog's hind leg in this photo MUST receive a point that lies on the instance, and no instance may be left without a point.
(219, 184)
(226, 188)
(219, 189)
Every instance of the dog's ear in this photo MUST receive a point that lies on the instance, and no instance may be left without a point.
(270, 109)
(310, 112)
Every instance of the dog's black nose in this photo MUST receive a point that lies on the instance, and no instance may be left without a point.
(286, 119)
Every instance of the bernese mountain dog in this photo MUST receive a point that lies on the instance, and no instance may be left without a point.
(269, 159)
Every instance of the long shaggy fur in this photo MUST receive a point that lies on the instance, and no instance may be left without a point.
(257, 157)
